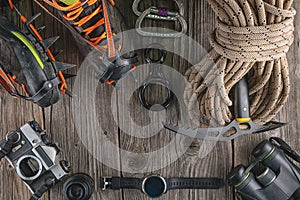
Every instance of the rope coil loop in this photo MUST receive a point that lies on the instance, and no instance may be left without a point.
(253, 44)
(252, 37)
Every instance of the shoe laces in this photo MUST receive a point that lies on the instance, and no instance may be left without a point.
(90, 18)
(81, 14)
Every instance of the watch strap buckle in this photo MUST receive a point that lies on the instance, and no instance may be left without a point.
(105, 183)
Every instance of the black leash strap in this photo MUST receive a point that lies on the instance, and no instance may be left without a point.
(6, 149)
(11, 89)
(286, 148)
(47, 87)
(44, 188)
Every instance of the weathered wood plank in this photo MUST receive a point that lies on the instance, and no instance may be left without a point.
(200, 22)
(111, 110)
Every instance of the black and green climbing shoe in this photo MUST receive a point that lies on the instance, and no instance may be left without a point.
(27, 67)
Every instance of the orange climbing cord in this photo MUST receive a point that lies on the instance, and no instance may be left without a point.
(13, 78)
(11, 5)
(74, 11)
(110, 42)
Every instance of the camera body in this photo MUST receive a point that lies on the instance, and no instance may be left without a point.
(32, 154)
(280, 179)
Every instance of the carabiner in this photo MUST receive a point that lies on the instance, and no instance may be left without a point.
(160, 14)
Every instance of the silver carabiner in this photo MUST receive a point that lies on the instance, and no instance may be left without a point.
(160, 14)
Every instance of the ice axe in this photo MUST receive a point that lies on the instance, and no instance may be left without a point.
(241, 125)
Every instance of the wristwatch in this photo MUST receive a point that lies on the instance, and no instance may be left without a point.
(155, 185)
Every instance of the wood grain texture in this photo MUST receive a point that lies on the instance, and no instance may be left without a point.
(112, 109)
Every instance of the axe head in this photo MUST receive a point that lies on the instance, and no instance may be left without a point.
(227, 133)
(272, 125)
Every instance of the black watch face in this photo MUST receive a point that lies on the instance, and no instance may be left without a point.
(154, 186)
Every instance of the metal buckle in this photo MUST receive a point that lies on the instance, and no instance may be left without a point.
(160, 14)
(105, 183)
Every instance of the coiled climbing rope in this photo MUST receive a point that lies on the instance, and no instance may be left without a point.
(252, 37)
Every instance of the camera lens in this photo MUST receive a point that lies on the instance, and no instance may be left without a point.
(266, 177)
(79, 187)
(263, 150)
(76, 191)
(237, 176)
(29, 167)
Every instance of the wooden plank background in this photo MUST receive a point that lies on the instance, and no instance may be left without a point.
(57, 119)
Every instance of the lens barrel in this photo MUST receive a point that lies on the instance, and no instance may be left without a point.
(280, 173)
(266, 177)
(79, 187)
(263, 150)
(270, 156)
(237, 176)
(245, 183)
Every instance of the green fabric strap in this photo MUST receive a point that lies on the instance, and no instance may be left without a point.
(68, 2)
(30, 47)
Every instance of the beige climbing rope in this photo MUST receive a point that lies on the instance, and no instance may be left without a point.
(252, 37)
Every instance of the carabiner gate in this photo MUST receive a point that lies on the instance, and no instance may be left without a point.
(160, 14)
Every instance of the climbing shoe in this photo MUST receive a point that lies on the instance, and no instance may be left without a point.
(27, 67)
(90, 21)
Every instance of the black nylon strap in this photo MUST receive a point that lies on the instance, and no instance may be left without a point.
(117, 69)
(286, 148)
(44, 90)
(194, 183)
(5, 149)
(124, 183)
(44, 188)
(116, 183)
(39, 95)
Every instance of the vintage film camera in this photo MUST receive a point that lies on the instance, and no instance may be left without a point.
(280, 178)
(32, 154)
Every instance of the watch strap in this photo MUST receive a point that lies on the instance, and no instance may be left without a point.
(194, 183)
(116, 183)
